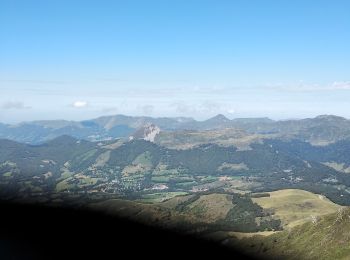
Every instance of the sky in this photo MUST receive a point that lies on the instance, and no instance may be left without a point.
(80, 59)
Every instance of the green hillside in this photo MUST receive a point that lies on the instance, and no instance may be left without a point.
(138, 168)
(294, 207)
(196, 213)
(328, 237)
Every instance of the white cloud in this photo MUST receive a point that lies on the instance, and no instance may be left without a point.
(231, 111)
(14, 105)
(80, 104)
(341, 85)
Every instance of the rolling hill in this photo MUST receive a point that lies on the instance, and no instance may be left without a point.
(294, 207)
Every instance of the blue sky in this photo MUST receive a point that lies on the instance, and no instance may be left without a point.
(82, 59)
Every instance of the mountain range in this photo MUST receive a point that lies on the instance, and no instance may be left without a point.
(320, 130)
(261, 184)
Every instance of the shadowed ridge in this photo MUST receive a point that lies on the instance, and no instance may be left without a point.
(41, 232)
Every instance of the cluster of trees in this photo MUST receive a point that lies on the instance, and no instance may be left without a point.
(260, 195)
(242, 217)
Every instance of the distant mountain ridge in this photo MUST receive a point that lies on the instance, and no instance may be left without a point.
(321, 130)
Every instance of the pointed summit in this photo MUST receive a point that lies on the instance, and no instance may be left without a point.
(220, 118)
(218, 121)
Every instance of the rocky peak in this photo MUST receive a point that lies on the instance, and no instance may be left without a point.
(147, 132)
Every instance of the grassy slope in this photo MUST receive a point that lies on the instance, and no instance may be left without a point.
(295, 207)
(150, 214)
(328, 238)
(225, 137)
(211, 207)
(172, 203)
(200, 212)
(161, 196)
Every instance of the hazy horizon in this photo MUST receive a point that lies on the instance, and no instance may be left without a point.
(157, 117)
(80, 60)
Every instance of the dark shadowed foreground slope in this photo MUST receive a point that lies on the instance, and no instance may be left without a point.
(38, 232)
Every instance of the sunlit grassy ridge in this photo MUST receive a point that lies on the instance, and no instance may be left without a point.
(327, 238)
(295, 207)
